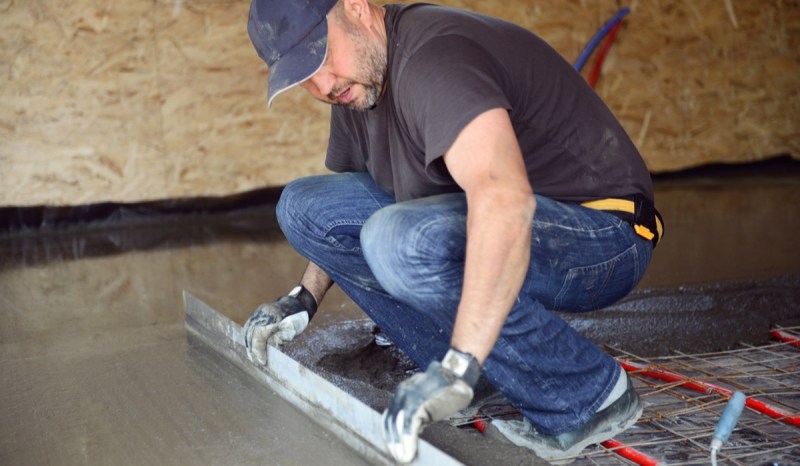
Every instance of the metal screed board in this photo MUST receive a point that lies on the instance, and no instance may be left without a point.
(344, 416)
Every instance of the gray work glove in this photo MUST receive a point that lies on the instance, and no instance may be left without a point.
(442, 390)
(278, 322)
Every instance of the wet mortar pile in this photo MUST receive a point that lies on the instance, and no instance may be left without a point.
(97, 367)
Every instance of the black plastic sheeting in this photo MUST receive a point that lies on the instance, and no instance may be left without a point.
(39, 234)
(30, 236)
(16, 220)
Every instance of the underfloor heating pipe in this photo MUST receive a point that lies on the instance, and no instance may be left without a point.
(779, 334)
(705, 387)
(594, 76)
(598, 37)
(629, 453)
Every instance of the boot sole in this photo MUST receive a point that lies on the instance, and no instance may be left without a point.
(560, 457)
(568, 456)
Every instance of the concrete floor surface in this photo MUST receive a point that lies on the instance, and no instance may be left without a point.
(143, 395)
(98, 370)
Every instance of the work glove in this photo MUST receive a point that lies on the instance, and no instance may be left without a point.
(442, 390)
(278, 322)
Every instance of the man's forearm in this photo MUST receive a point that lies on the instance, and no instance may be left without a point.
(498, 256)
(316, 281)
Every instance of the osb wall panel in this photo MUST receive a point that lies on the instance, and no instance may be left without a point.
(152, 99)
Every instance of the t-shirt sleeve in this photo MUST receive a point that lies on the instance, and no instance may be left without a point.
(343, 153)
(446, 84)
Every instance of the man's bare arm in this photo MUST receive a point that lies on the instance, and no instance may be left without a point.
(316, 281)
(487, 163)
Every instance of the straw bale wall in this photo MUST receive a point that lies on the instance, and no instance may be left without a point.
(151, 99)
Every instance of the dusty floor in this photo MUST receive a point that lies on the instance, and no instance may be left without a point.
(97, 368)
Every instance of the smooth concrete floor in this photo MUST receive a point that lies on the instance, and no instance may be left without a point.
(97, 368)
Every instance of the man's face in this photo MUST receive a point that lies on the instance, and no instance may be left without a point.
(354, 70)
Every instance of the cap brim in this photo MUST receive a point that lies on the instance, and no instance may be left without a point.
(300, 63)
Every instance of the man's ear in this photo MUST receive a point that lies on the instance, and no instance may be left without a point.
(358, 11)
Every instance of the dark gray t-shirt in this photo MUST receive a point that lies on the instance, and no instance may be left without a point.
(446, 67)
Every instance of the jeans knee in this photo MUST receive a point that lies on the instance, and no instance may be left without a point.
(378, 241)
(414, 255)
(384, 241)
(288, 209)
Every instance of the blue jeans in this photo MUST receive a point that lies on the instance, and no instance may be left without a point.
(403, 264)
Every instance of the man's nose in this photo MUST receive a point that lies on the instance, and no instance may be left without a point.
(323, 81)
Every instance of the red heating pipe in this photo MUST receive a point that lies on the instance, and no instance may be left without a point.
(629, 453)
(705, 387)
(479, 424)
(601, 56)
(785, 337)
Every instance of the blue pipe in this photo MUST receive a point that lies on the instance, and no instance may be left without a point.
(587, 51)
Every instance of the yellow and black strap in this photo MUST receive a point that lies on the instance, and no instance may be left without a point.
(636, 210)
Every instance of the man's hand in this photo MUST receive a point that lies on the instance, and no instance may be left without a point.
(278, 322)
(442, 390)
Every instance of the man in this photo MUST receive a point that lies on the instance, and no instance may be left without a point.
(480, 185)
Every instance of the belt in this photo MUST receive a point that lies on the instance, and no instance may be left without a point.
(637, 210)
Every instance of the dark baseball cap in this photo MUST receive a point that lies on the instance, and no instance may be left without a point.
(291, 36)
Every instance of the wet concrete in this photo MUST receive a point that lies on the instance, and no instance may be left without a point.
(97, 367)
(145, 396)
